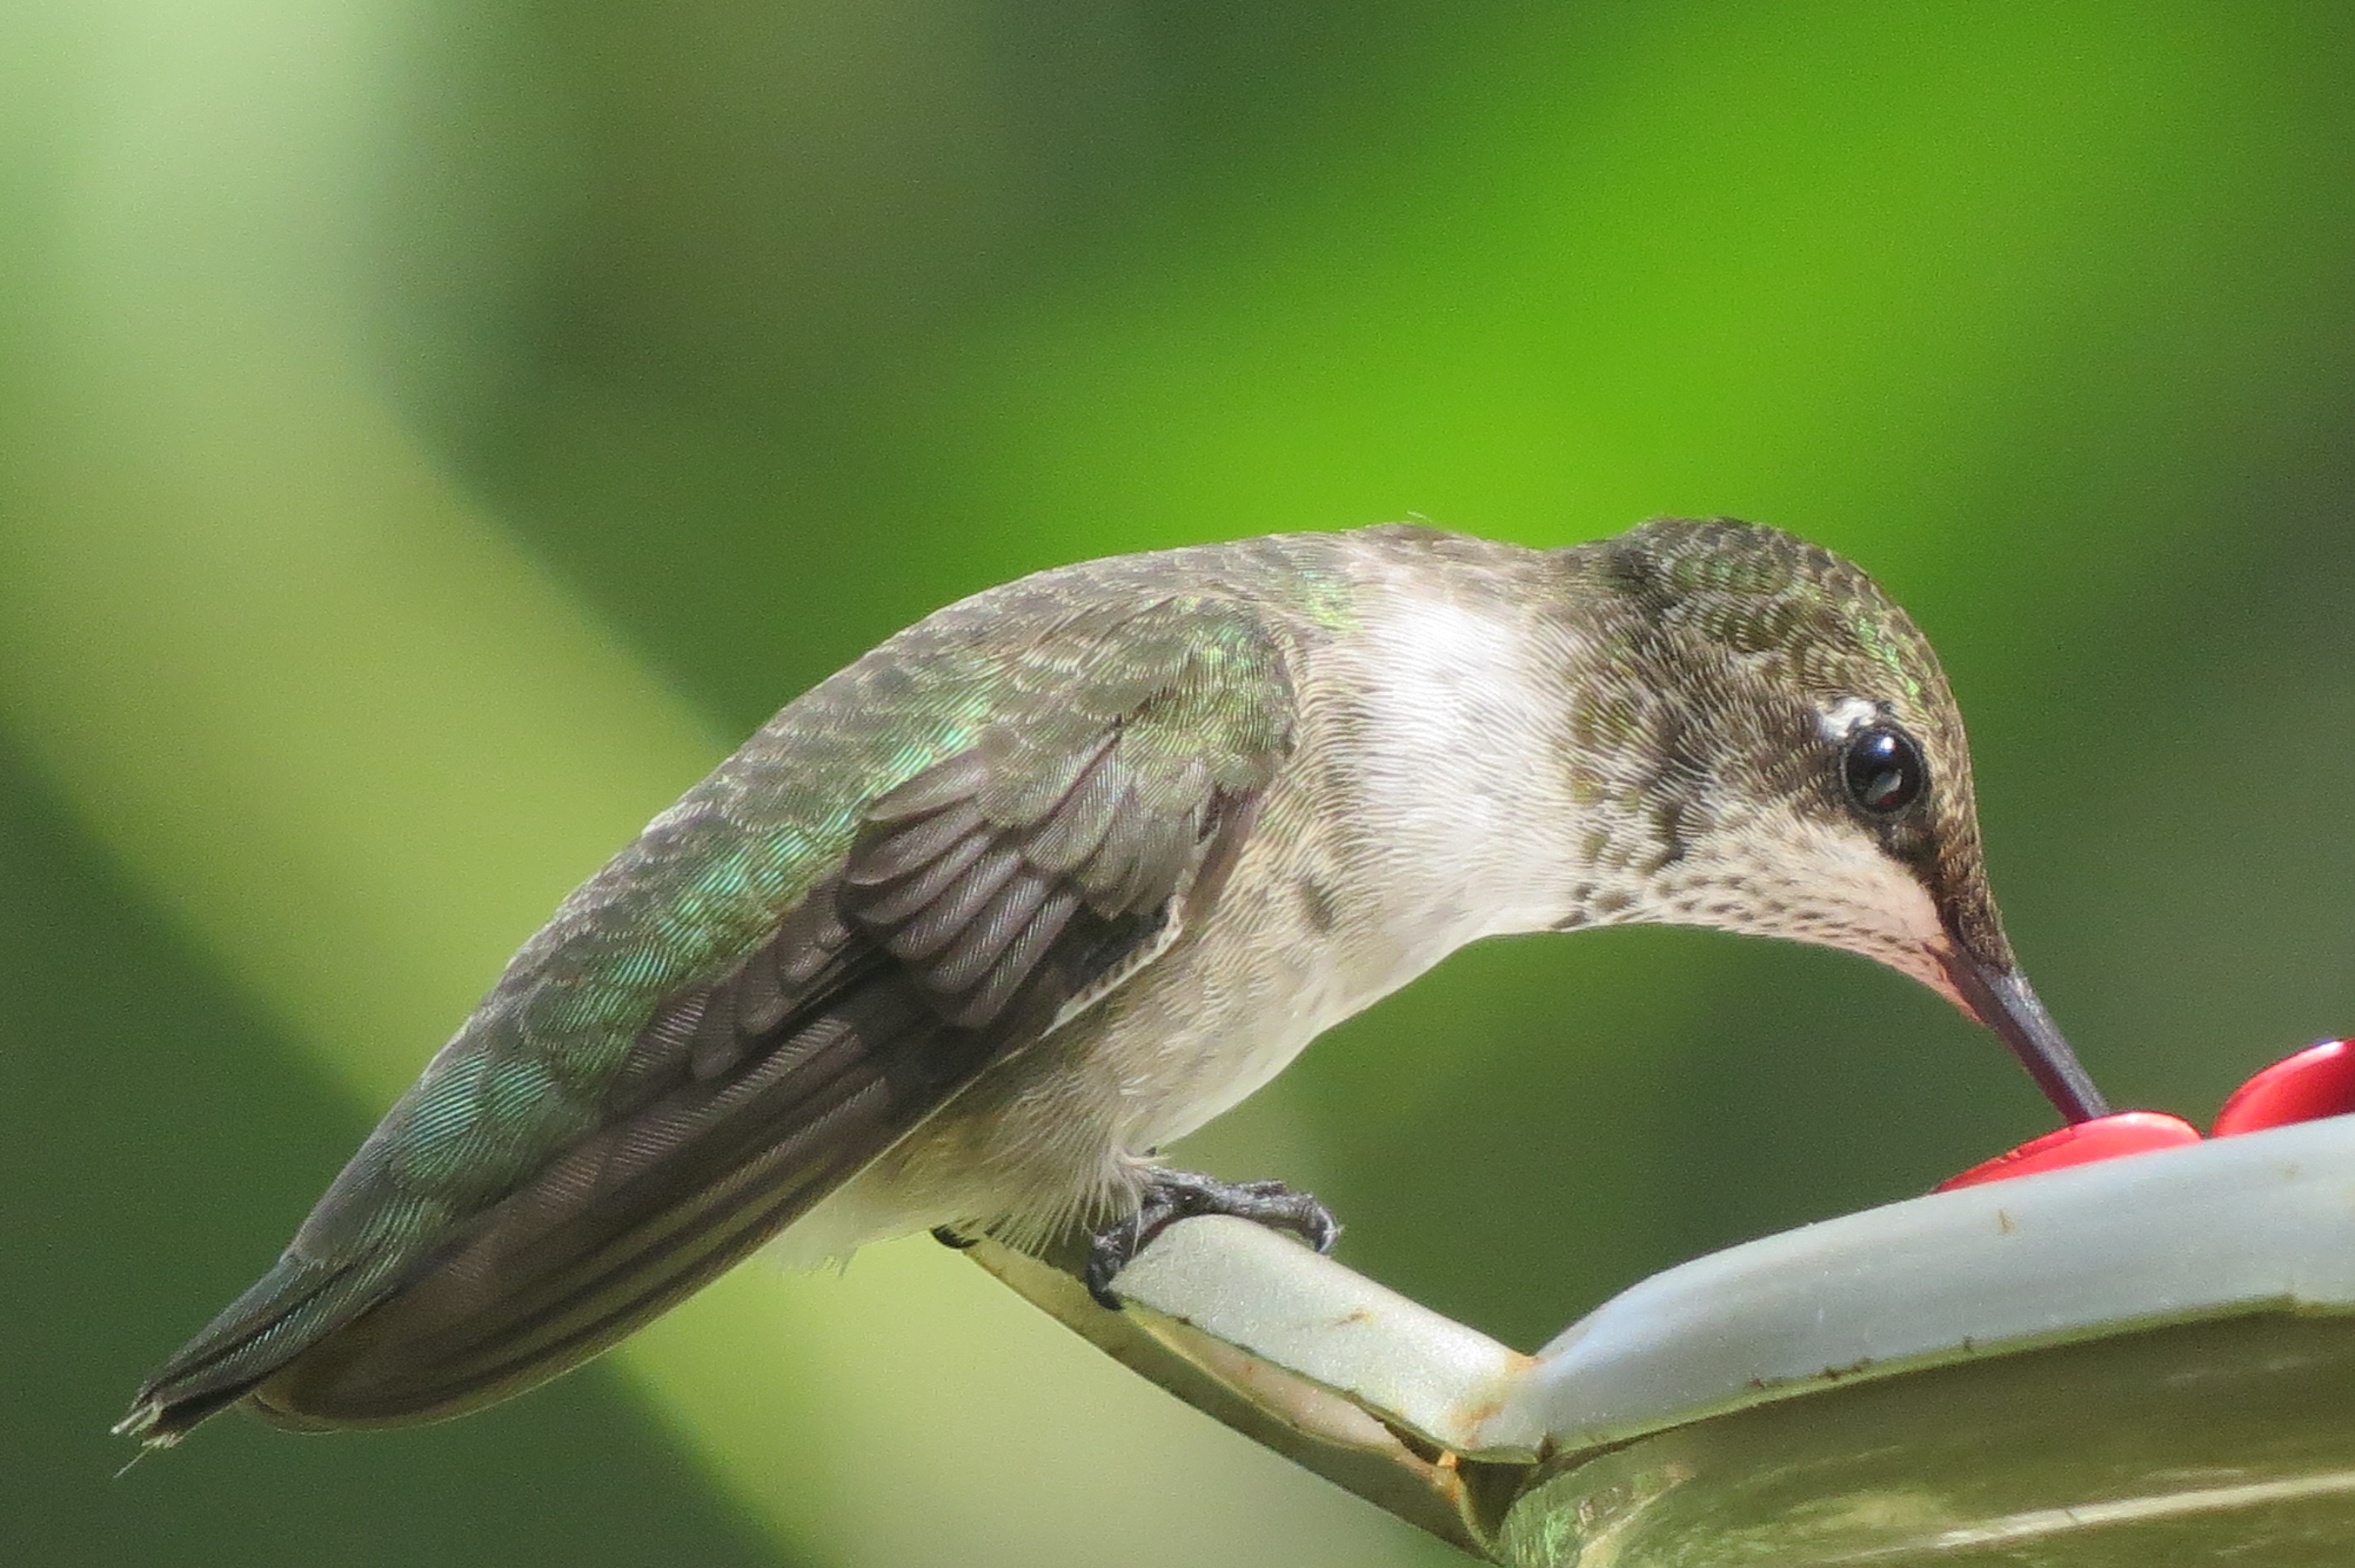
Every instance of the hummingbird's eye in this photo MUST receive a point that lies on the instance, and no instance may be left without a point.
(1883, 769)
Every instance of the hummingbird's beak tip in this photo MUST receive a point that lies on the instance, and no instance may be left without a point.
(2000, 998)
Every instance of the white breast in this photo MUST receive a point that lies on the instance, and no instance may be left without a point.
(1460, 771)
(1425, 809)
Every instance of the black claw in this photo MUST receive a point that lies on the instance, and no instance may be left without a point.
(1173, 1195)
(1108, 1253)
(949, 1236)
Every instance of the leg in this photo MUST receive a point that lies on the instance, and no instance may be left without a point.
(1173, 1195)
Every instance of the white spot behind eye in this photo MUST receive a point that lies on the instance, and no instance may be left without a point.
(1848, 715)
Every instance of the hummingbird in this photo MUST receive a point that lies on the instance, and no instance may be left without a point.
(967, 931)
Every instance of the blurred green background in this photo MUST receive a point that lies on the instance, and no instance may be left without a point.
(433, 432)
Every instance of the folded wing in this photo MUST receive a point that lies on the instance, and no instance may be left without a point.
(991, 893)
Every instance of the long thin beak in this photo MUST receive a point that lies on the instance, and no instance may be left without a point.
(2001, 999)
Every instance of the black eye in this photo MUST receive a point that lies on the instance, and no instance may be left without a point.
(1883, 769)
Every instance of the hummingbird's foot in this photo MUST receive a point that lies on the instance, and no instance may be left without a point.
(950, 1236)
(1173, 1195)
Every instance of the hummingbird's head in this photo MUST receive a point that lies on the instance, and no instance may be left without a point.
(1762, 741)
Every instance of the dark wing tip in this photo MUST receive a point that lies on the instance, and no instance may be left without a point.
(159, 1419)
(284, 1313)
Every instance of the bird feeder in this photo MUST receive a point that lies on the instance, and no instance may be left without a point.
(2147, 1356)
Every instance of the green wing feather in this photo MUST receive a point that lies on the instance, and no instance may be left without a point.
(901, 878)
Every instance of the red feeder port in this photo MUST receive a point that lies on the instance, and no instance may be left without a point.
(2318, 1082)
(2103, 1137)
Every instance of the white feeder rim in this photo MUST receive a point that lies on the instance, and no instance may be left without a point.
(2263, 1223)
